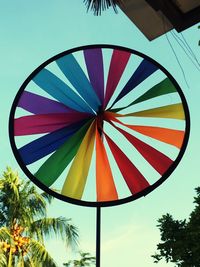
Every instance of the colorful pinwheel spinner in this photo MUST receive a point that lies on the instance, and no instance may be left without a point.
(101, 115)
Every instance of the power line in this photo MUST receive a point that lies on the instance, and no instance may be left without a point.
(179, 63)
(174, 52)
(190, 54)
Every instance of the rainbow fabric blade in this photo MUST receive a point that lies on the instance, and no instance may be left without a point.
(100, 124)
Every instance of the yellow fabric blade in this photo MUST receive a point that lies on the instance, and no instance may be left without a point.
(174, 111)
(76, 179)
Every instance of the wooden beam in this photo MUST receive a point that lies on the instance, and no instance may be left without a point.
(178, 19)
(149, 21)
(190, 18)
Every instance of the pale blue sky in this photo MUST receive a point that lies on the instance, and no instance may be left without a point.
(33, 31)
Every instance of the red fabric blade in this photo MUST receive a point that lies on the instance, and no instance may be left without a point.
(135, 181)
(156, 159)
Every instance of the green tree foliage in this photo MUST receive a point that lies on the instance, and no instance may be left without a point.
(180, 239)
(97, 6)
(24, 224)
(85, 260)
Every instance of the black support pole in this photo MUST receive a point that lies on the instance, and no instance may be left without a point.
(98, 237)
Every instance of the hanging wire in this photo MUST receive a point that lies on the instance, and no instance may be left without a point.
(97, 6)
(173, 50)
(179, 63)
(188, 51)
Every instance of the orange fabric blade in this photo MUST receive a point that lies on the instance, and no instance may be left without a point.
(169, 136)
(105, 186)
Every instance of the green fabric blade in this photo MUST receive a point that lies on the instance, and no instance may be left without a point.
(59, 160)
(162, 88)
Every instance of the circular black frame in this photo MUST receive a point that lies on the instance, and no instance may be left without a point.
(93, 203)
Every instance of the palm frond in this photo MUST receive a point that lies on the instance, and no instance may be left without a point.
(10, 183)
(20, 262)
(3, 259)
(28, 262)
(31, 205)
(33, 202)
(47, 197)
(4, 234)
(38, 205)
(67, 264)
(39, 255)
(60, 227)
(2, 217)
(97, 6)
(72, 235)
(85, 260)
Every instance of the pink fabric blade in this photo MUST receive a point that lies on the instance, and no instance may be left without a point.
(45, 123)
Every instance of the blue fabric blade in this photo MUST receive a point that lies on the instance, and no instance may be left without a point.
(60, 91)
(47, 144)
(144, 70)
(74, 73)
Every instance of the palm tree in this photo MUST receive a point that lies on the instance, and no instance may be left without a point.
(99, 5)
(24, 225)
(85, 260)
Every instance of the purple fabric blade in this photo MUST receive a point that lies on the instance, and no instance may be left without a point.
(37, 104)
(94, 63)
